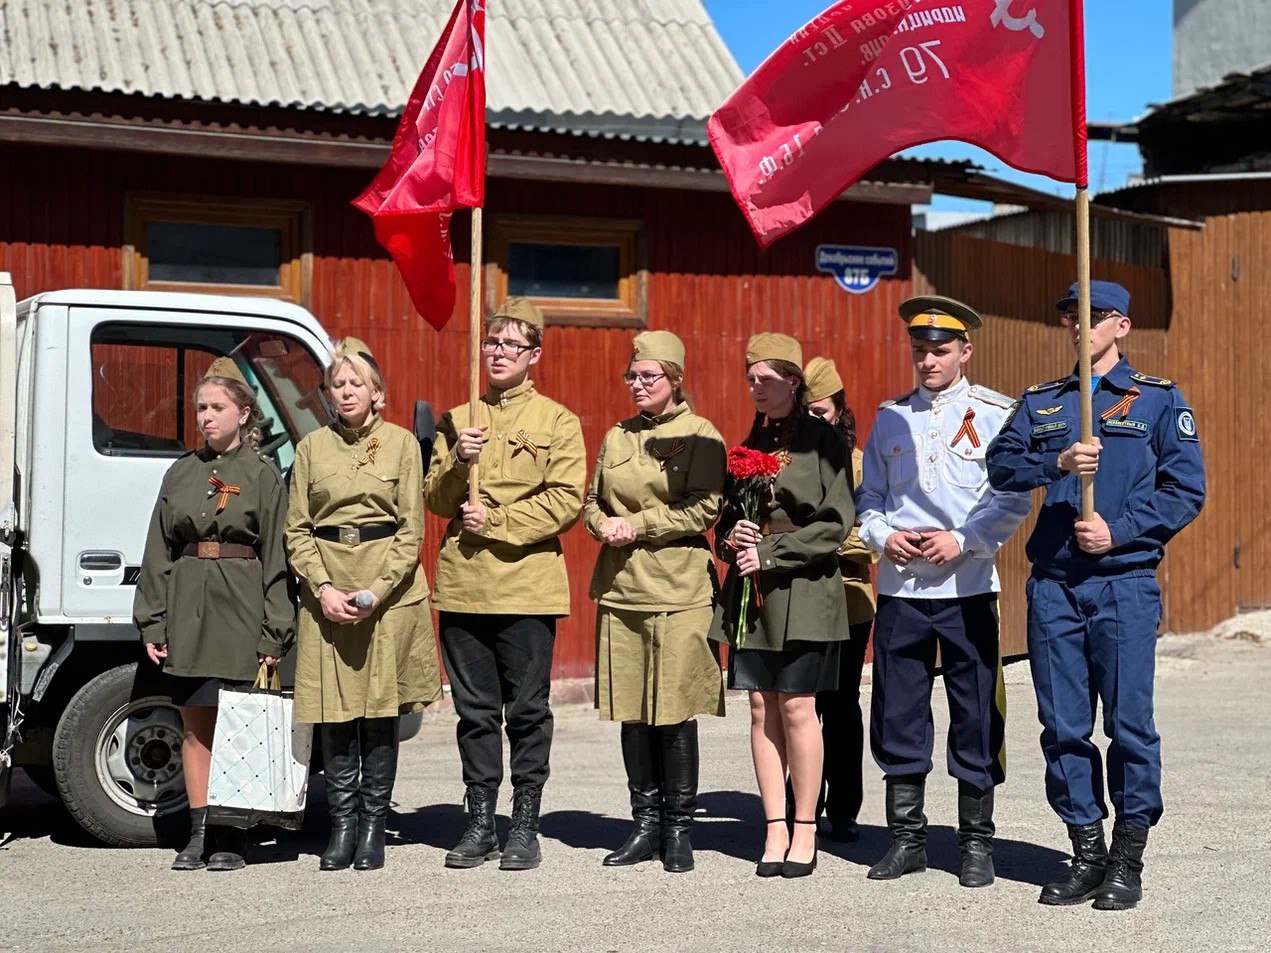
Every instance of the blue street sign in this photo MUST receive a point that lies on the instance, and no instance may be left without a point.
(856, 268)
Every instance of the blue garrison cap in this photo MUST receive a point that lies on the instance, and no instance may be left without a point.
(1104, 296)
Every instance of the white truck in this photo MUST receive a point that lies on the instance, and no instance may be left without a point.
(95, 404)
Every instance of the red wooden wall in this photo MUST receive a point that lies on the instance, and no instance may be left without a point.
(61, 225)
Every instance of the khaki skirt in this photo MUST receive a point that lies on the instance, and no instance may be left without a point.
(381, 667)
(656, 667)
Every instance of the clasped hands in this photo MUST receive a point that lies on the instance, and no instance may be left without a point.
(616, 531)
(744, 538)
(338, 606)
(937, 546)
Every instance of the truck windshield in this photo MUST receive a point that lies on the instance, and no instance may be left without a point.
(145, 377)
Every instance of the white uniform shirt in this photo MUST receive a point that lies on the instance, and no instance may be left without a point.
(924, 469)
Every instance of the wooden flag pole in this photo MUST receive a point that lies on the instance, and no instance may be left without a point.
(1083, 353)
(475, 327)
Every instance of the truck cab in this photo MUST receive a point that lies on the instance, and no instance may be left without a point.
(96, 403)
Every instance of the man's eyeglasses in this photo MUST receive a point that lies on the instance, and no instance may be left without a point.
(508, 348)
(644, 380)
(1096, 315)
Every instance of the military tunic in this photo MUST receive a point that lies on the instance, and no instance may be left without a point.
(855, 558)
(810, 515)
(386, 664)
(665, 476)
(215, 615)
(532, 474)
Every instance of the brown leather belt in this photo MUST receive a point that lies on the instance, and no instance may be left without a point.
(353, 535)
(211, 549)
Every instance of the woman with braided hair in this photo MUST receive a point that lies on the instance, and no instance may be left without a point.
(212, 599)
(366, 651)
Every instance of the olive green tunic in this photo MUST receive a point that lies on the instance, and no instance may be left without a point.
(665, 476)
(215, 615)
(855, 558)
(532, 474)
(385, 665)
(806, 523)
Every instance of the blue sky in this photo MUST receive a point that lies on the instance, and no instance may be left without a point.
(1128, 49)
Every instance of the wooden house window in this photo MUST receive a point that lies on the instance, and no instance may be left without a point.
(579, 271)
(218, 245)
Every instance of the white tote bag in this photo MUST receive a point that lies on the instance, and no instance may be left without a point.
(260, 758)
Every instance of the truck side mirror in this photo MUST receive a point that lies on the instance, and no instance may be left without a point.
(425, 430)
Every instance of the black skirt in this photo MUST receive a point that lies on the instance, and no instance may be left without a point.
(801, 668)
(186, 691)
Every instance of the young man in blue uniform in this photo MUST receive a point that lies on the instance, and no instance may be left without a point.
(925, 503)
(1093, 602)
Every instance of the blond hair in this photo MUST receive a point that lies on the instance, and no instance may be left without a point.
(363, 366)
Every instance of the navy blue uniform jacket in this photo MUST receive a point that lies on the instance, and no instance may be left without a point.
(1151, 478)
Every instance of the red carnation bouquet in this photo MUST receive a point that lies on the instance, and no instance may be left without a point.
(753, 473)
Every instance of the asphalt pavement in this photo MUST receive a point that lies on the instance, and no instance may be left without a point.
(1206, 881)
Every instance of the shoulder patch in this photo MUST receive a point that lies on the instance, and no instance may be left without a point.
(903, 398)
(1185, 422)
(990, 396)
(1149, 379)
(1049, 385)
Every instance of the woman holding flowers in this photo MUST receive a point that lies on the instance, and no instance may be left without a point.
(787, 511)
(655, 492)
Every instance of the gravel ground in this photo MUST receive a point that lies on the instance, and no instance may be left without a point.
(1204, 879)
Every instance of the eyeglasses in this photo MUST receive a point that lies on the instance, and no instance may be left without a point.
(1096, 315)
(645, 380)
(509, 348)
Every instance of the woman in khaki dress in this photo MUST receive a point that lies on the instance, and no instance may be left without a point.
(212, 599)
(655, 493)
(366, 650)
(842, 727)
(797, 618)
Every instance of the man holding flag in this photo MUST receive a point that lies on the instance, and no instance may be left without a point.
(1093, 601)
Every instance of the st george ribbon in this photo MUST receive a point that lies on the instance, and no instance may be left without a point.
(864, 80)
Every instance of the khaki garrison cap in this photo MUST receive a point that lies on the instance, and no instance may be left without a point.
(822, 378)
(225, 367)
(658, 346)
(351, 346)
(774, 347)
(519, 309)
(937, 318)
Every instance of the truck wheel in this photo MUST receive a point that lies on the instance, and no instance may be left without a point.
(117, 762)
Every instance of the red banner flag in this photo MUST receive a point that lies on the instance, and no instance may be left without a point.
(868, 78)
(437, 165)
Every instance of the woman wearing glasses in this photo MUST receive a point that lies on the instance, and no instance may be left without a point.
(797, 617)
(655, 492)
(366, 650)
(501, 582)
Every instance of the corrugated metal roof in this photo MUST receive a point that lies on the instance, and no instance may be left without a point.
(626, 64)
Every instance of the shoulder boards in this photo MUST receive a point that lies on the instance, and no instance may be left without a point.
(903, 398)
(990, 396)
(1149, 379)
(1049, 385)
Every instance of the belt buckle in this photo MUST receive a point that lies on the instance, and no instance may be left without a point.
(350, 535)
(209, 549)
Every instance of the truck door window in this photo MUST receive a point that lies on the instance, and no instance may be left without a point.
(145, 376)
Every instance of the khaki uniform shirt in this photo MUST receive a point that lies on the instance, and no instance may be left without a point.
(345, 477)
(216, 614)
(855, 558)
(532, 473)
(665, 476)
